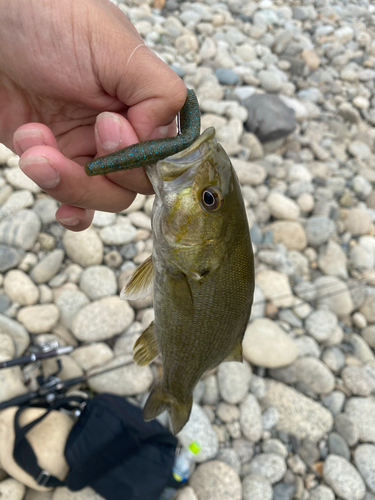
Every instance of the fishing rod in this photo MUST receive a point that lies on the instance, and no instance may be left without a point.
(35, 356)
(53, 387)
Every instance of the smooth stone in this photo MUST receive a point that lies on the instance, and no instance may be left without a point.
(7, 347)
(98, 282)
(321, 324)
(230, 457)
(87, 493)
(11, 489)
(251, 419)
(119, 234)
(40, 318)
(343, 478)
(18, 333)
(334, 402)
(216, 480)
(367, 308)
(332, 260)
(19, 180)
(16, 201)
(346, 427)
(103, 219)
(102, 319)
(227, 76)
(256, 487)
(275, 287)
(364, 457)
(322, 492)
(70, 302)
(319, 230)
(334, 293)
(358, 380)
(298, 414)
(266, 344)
(368, 334)
(48, 267)
(334, 358)
(361, 412)
(234, 380)
(20, 288)
(307, 346)
(314, 374)
(20, 230)
(69, 367)
(270, 80)
(282, 207)
(359, 150)
(338, 446)
(271, 466)
(358, 222)
(140, 220)
(186, 493)
(84, 247)
(46, 208)
(249, 173)
(270, 418)
(290, 233)
(198, 428)
(227, 412)
(128, 380)
(92, 355)
(211, 391)
(269, 118)
(11, 383)
(9, 257)
(47, 439)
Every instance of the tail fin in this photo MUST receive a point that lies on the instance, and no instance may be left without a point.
(159, 401)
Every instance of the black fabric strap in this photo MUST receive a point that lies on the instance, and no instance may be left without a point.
(23, 453)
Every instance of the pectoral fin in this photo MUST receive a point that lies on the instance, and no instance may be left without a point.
(140, 282)
(236, 354)
(146, 348)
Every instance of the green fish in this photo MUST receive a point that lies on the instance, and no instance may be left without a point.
(201, 272)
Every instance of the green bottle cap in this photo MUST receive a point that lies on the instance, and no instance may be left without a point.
(194, 447)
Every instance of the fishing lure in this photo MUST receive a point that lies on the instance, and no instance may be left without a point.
(149, 152)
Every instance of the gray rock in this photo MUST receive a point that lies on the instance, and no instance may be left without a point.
(319, 230)
(227, 76)
(48, 267)
(199, 429)
(314, 374)
(70, 302)
(343, 478)
(284, 491)
(268, 465)
(334, 358)
(102, 319)
(46, 208)
(309, 452)
(368, 334)
(358, 380)
(270, 418)
(119, 234)
(40, 318)
(361, 350)
(234, 381)
(298, 414)
(362, 413)
(332, 260)
(251, 419)
(275, 446)
(270, 80)
(346, 427)
(266, 344)
(269, 118)
(9, 257)
(103, 219)
(230, 457)
(321, 324)
(216, 480)
(334, 402)
(357, 222)
(18, 333)
(322, 492)
(98, 282)
(333, 293)
(84, 248)
(359, 149)
(364, 457)
(256, 488)
(20, 230)
(244, 449)
(338, 446)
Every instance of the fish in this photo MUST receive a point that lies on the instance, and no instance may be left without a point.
(201, 272)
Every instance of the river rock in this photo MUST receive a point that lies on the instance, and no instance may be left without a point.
(198, 428)
(322, 492)
(102, 319)
(20, 288)
(251, 419)
(92, 355)
(84, 494)
(256, 487)
(98, 282)
(269, 118)
(11, 383)
(20, 230)
(47, 439)
(84, 248)
(361, 412)
(119, 234)
(216, 480)
(319, 230)
(234, 381)
(40, 318)
(315, 375)
(9, 257)
(249, 172)
(48, 267)
(334, 293)
(298, 414)
(128, 380)
(271, 466)
(282, 207)
(358, 222)
(11, 489)
(358, 380)
(70, 302)
(266, 344)
(364, 457)
(276, 287)
(321, 324)
(332, 260)
(18, 333)
(343, 478)
(290, 233)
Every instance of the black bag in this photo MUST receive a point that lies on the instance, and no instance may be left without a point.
(111, 449)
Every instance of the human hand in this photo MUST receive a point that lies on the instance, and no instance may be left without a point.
(77, 82)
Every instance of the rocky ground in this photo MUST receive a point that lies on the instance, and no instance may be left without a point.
(289, 87)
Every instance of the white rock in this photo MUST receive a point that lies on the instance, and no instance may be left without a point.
(84, 247)
(92, 355)
(282, 207)
(10, 489)
(343, 478)
(234, 381)
(39, 318)
(20, 288)
(276, 287)
(216, 480)
(251, 419)
(98, 282)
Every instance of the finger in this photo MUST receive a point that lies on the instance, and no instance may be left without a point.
(68, 183)
(33, 134)
(114, 132)
(74, 218)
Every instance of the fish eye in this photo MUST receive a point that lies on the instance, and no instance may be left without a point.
(212, 198)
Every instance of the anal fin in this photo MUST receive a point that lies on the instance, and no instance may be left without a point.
(236, 354)
(146, 348)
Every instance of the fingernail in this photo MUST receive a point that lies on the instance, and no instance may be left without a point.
(26, 138)
(69, 221)
(41, 171)
(109, 130)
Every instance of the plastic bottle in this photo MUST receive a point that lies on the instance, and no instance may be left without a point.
(182, 468)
